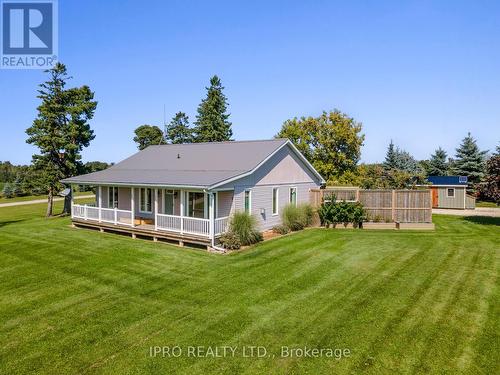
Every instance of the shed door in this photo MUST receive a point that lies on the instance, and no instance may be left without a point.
(434, 197)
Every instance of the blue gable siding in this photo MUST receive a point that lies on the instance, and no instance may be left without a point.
(447, 180)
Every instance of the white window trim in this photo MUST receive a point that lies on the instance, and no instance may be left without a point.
(205, 203)
(277, 200)
(296, 195)
(450, 196)
(249, 201)
(140, 201)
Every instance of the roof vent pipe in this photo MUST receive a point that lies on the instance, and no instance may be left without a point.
(178, 156)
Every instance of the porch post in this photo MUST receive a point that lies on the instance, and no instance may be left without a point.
(211, 216)
(99, 201)
(182, 210)
(156, 209)
(132, 205)
(72, 192)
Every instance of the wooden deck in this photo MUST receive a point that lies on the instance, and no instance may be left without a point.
(144, 231)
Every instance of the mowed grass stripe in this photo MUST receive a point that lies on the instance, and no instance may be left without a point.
(96, 302)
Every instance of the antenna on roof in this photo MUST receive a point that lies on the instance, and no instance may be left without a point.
(164, 124)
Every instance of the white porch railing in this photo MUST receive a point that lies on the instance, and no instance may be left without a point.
(221, 225)
(183, 224)
(107, 215)
(172, 223)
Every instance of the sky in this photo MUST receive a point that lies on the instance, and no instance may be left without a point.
(422, 73)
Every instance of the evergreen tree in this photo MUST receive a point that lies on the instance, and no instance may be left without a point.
(390, 157)
(61, 130)
(470, 161)
(212, 124)
(438, 165)
(7, 191)
(178, 130)
(148, 135)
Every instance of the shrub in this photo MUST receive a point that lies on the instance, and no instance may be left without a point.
(230, 241)
(297, 217)
(333, 212)
(281, 229)
(244, 226)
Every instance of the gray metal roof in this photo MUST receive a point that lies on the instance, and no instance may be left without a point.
(195, 164)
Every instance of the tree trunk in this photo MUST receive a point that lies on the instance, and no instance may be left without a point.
(50, 201)
(67, 203)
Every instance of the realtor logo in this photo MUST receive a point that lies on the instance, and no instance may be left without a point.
(29, 34)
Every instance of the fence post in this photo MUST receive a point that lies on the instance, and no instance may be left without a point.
(85, 217)
(393, 204)
(357, 195)
(116, 216)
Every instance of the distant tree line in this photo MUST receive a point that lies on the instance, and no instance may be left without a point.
(212, 123)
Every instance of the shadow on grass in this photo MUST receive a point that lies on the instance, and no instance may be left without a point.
(4, 223)
(484, 220)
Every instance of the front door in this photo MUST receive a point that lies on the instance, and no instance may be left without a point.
(434, 197)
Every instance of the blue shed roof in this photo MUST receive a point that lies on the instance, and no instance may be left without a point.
(448, 180)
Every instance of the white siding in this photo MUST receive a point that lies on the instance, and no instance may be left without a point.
(224, 203)
(284, 170)
(451, 202)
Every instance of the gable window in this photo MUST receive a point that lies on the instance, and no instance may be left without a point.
(112, 197)
(145, 200)
(275, 201)
(450, 193)
(293, 196)
(248, 201)
(168, 202)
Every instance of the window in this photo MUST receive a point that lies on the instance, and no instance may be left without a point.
(275, 201)
(450, 193)
(145, 200)
(168, 202)
(248, 202)
(112, 197)
(196, 205)
(293, 196)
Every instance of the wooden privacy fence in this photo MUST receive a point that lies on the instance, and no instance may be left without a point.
(403, 206)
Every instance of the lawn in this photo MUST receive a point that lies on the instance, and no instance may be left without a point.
(80, 301)
(35, 197)
(486, 204)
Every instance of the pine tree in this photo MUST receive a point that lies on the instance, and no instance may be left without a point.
(470, 161)
(438, 165)
(390, 157)
(61, 130)
(212, 123)
(7, 191)
(178, 130)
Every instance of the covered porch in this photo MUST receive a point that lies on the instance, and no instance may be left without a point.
(178, 213)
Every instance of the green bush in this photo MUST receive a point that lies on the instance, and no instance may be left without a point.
(8, 191)
(297, 217)
(230, 241)
(244, 226)
(281, 229)
(333, 212)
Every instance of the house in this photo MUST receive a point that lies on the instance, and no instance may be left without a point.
(187, 192)
(450, 192)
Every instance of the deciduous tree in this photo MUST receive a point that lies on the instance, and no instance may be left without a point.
(331, 142)
(148, 135)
